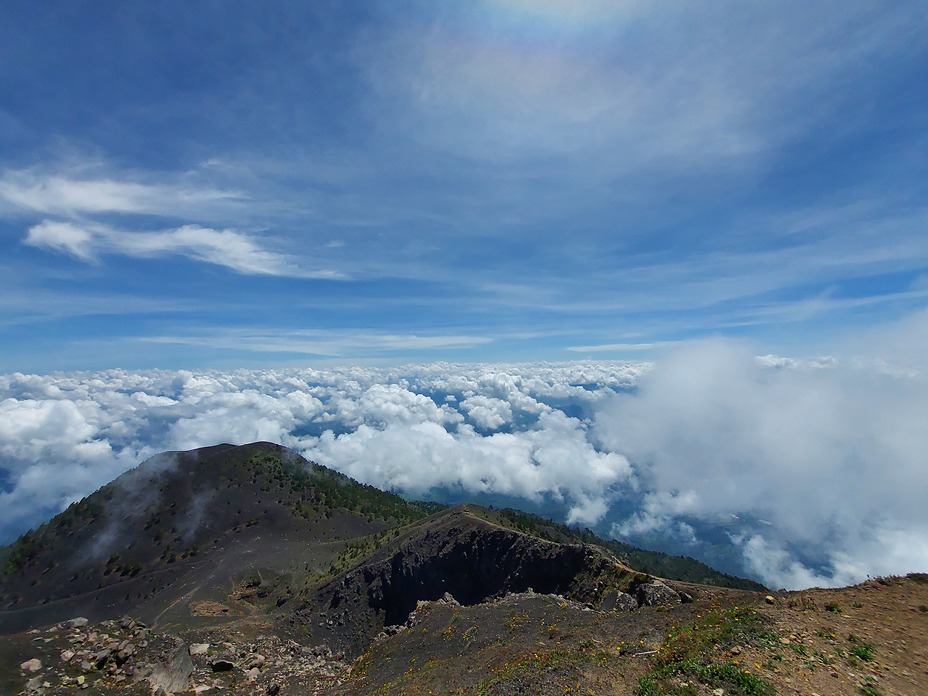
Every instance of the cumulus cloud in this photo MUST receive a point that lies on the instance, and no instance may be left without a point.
(64, 435)
(487, 412)
(814, 466)
(553, 457)
(829, 454)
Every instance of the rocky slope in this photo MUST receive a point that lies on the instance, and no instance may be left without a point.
(249, 570)
(458, 556)
(184, 523)
(869, 639)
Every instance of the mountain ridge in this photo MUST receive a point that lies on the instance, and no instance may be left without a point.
(177, 506)
(249, 569)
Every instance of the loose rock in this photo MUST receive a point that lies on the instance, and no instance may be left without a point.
(253, 661)
(33, 665)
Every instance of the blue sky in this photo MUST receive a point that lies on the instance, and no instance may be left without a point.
(663, 262)
(212, 185)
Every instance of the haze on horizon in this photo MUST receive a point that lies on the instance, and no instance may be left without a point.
(724, 205)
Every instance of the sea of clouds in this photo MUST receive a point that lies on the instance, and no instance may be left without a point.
(797, 473)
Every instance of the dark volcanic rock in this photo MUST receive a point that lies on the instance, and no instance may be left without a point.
(461, 556)
(619, 601)
(221, 665)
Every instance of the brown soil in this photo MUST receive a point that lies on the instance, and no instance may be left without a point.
(868, 639)
(209, 608)
(829, 630)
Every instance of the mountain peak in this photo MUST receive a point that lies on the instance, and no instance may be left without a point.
(126, 545)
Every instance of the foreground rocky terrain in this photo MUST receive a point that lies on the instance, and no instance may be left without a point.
(248, 570)
(868, 639)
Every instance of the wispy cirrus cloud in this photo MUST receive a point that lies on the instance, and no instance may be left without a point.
(47, 193)
(325, 342)
(618, 347)
(550, 85)
(229, 248)
(77, 207)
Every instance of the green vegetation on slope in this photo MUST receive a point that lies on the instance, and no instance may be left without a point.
(354, 552)
(310, 491)
(320, 489)
(701, 654)
(24, 552)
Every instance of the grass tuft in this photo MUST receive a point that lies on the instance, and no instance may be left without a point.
(861, 649)
(689, 655)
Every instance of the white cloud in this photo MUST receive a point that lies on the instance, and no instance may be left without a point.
(816, 466)
(240, 416)
(400, 342)
(618, 347)
(553, 458)
(53, 194)
(76, 240)
(563, 81)
(830, 453)
(63, 435)
(487, 412)
(330, 342)
(74, 209)
(230, 248)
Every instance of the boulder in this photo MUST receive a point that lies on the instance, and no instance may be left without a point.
(652, 594)
(173, 675)
(618, 601)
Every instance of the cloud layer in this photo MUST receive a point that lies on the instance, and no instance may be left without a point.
(813, 470)
(827, 457)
